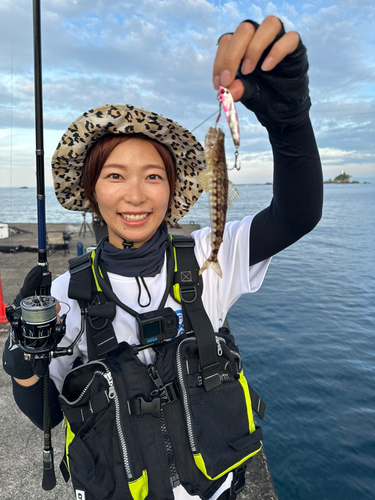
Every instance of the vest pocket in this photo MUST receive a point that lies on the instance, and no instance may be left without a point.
(90, 470)
(220, 423)
(99, 454)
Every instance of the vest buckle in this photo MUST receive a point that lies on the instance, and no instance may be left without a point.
(139, 406)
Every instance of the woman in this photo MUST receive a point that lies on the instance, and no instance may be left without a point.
(140, 170)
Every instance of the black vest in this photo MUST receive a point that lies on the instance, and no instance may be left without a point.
(137, 431)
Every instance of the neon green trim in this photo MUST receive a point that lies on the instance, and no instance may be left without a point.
(139, 487)
(69, 436)
(199, 462)
(245, 388)
(93, 271)
(176, 292)
(176, 287)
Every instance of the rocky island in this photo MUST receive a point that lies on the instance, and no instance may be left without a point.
(343, 178)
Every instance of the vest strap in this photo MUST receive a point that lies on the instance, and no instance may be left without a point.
(190, 283)
(81, 278)
(101, 337)
(238, 482)
(257, 403)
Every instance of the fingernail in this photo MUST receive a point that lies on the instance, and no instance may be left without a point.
(267, 63)
(247, 66)
(216, 82)
(226, 78)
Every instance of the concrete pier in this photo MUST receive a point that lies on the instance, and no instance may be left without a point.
(21, 443)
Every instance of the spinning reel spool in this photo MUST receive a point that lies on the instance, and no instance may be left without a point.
(38, 324)
(36, 329)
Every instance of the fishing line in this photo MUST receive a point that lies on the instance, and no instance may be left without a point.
(11, 152)
(218, 36)
(204, 121)
(38, 309)
(219, 21)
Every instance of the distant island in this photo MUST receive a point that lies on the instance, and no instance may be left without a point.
(343, 178)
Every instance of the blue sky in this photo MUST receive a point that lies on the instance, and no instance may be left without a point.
(158, 54)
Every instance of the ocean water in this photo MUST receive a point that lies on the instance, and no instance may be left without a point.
(307, 338)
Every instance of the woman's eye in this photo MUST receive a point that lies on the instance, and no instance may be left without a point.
(154, 176)
(114, 176)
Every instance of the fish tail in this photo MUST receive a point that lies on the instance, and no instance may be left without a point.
(212, 264)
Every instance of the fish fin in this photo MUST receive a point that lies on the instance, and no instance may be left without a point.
(212, 264)
(232, 194)
(209, 239)
(203, 180)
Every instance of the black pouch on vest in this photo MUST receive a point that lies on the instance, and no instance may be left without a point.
(221, 429)
(103, 451)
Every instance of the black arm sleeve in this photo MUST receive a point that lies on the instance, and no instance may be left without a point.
(30, 401)
(297, 201)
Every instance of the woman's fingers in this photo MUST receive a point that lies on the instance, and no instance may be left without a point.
(220, 53)
(58, 309)
(236, 89)
(263, 37)
(286, 45)
(231, 50)
(248, 45)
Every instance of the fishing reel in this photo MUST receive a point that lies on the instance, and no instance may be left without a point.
(37, 330)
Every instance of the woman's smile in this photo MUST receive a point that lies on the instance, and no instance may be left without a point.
(132, 192)
(134, 218)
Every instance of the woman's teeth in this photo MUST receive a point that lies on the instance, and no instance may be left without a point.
(134, 217)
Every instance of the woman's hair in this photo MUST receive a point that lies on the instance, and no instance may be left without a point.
(99, 152)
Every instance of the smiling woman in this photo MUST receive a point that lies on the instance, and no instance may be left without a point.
(155, 380)
(129, 181)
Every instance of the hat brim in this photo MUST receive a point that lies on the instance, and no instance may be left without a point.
(70, 155)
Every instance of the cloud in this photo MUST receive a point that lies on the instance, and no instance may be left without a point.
(158, 54)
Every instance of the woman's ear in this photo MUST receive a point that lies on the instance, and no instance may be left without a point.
(95, 203)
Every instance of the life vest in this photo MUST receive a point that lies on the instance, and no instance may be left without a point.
(137, 431)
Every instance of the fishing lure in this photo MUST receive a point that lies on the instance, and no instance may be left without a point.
(226, 101)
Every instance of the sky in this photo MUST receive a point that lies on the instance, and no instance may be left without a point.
(158, 54)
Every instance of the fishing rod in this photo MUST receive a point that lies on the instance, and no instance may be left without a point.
(39, 150)
(34, 323)
(48, 305)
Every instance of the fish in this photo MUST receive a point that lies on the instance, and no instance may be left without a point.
(221, 192)
(226, 101)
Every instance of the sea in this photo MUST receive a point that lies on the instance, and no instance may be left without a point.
(307, 338)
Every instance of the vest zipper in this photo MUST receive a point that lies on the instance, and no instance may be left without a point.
(112, 394)
(175, 480)
(184, 395)
(71, 403)
(236, 354)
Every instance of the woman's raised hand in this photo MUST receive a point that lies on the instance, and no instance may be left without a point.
(248, 44)
(266, 69)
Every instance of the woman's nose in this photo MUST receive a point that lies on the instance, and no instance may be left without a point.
(134, 193)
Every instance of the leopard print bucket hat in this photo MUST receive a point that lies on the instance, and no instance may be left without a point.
(69, 158)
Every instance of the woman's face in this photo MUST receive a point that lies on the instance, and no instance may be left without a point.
(132, 192)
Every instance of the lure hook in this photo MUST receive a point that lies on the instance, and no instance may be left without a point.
(237, 163)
